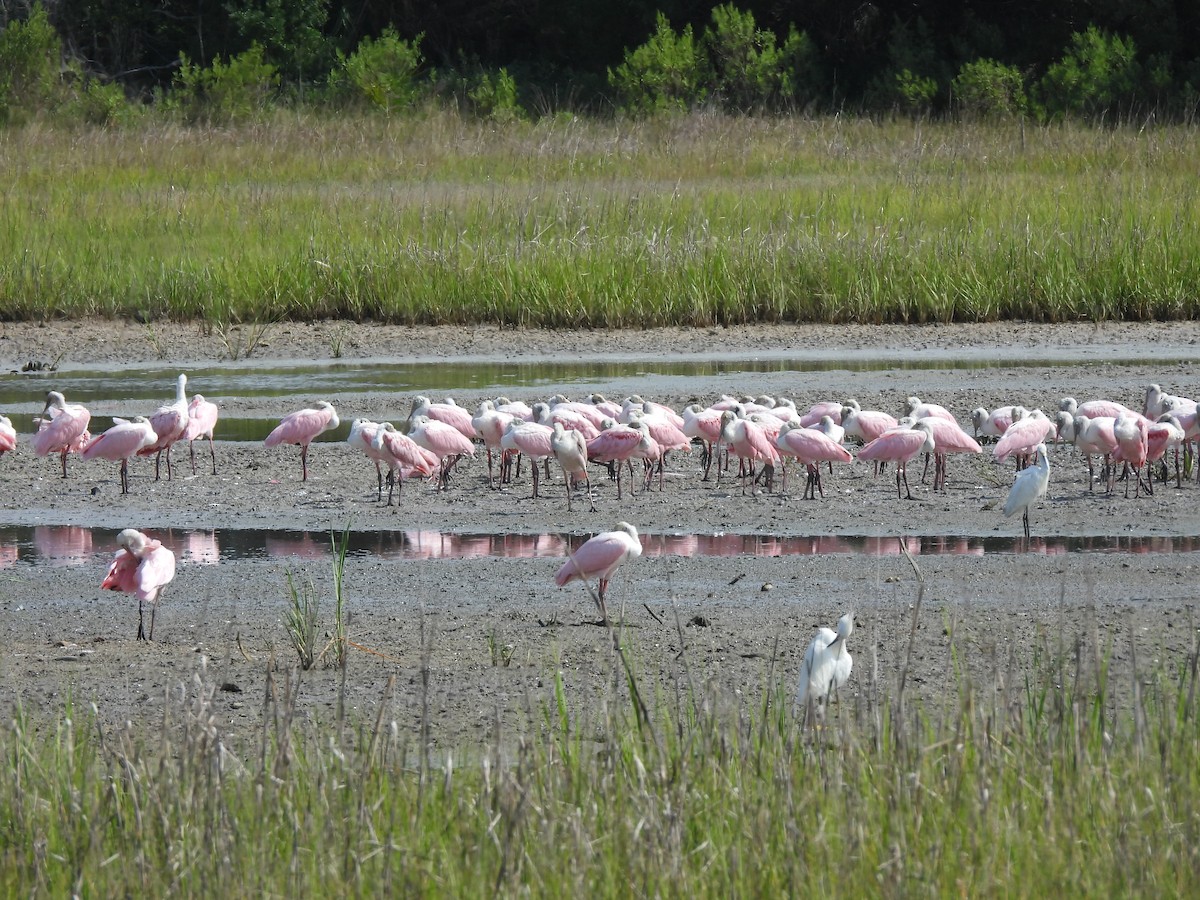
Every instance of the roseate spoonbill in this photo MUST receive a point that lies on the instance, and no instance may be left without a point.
(600, 557)
(301, 427)
(703, 425)
(362, 437)
(810, 447)
(1165, 434)
(531, 439)
(821, 409)
(169, 423)
(920, 410)
(447, 442)
(992, 424)
(1159, 402)
(142, 567)
(490, 425)
(747, 441)
(63, 427)
(570, 449)
(1028, 429)
(404, 457)
(615, 444)
(202, 421)
(1094, 408)
(1031, 483)
(1131, 435)
(1094, 436)
(948, 438)
(448, 413)
(900, 445)
(827, 664)
(866, 424)
(125, 439)
(8, 436)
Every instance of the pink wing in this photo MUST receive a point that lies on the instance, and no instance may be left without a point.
(122, 574)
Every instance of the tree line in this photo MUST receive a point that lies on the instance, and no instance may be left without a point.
(1105, 60)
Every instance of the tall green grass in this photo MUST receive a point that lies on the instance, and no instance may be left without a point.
(566, 222)
(1035, 785)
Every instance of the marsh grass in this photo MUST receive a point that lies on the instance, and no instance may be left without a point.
(702, 220)
(302, 617)
(1030, 784)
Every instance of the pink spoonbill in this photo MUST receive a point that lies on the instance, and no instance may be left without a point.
(301, 427)
(125, 439)
(169, 423)
(600, 557)
(202, 420)
(63, 427)
(142, 567)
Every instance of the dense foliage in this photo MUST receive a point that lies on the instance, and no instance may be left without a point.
(508, 59)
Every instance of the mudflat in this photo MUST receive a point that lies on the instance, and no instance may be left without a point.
(465, 648)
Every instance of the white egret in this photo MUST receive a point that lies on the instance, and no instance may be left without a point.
(1030, 484)
(827, 663)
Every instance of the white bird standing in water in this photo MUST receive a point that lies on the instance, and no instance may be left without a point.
(1031, 483)
(827, 663)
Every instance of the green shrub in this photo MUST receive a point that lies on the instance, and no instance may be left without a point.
(746, 63)
(30, 64)
(495, 96)
(986, 89)
(381, 72)
(910, 82)
(225, 92)
(669, 71)
(1097, 76)
(802, 79)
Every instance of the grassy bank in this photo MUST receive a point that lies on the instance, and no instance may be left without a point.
(1034, 785)
(566, 223)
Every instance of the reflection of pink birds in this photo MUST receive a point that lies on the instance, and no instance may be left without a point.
(899, 446)
(142, 567)
(810, 447)
(202, 420)
(532, 440)
(123, 440)
(301, 427)
(62, 428)
(63, 545)
(599, 557)
(447, 442)
(8, 436)
(169, 423)
(404, 457)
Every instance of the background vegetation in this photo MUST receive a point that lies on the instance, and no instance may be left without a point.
(698, 219)
(1134, 60)
(306, 160)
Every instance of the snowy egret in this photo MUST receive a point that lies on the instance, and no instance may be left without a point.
(827, 663)
(1031, 483)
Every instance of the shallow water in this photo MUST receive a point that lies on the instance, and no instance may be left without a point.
(69, 545)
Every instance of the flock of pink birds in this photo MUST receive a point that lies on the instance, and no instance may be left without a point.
(763, 435)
